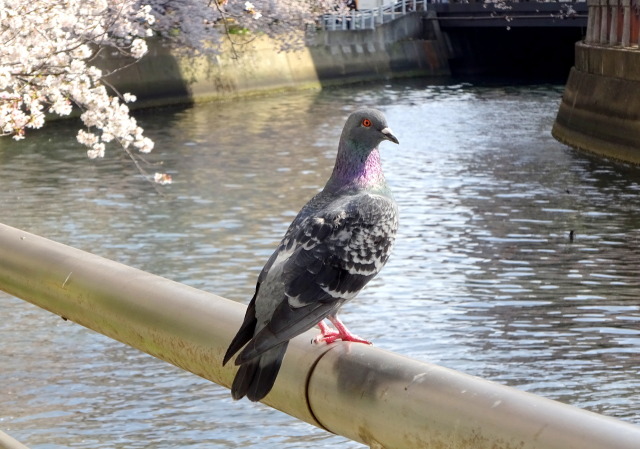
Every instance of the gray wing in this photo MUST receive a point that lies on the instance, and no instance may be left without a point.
(334, 254)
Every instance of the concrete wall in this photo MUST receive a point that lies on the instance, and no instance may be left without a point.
(163, 77)
(600, 108)
(409, 46)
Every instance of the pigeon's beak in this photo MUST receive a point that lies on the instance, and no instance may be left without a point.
(388, 135)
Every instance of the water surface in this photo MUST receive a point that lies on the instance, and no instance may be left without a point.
(484, 278)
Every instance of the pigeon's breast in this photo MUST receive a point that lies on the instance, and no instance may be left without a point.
(372, 237)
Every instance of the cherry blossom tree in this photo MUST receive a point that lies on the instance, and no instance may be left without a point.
(49, 53)
(201, 25)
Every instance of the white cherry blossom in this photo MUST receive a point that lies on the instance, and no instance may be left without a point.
(47, 52)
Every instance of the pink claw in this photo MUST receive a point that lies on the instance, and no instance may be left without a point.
(326, 335)
(329, 335)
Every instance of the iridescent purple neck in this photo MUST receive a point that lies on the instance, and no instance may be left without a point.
(357, 169)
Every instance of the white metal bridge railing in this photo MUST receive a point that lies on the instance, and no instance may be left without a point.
(368, 19)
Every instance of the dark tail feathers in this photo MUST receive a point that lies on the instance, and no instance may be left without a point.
(245, 333)
(256, 377)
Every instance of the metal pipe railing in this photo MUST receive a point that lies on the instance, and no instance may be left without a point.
(8, 442)
(364, 393)
(369, 18)
(613, 23)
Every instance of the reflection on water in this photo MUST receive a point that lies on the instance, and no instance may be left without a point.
(484, 278)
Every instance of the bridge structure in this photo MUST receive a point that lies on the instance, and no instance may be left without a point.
(511, 14)
(467, 14)
(532, 38)
(513, 39)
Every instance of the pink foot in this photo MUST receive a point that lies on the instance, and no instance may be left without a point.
(328, 335)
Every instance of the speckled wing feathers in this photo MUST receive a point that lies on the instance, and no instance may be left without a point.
(335, 252)
(339, 251)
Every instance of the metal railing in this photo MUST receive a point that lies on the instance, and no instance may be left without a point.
(8, 442)
(368, 19)
(364, 393)
(613, 23)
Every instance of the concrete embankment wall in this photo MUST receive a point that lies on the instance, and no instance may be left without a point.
(408, 46)
(600, 108)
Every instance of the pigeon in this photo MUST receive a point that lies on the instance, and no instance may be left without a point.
(336, 244)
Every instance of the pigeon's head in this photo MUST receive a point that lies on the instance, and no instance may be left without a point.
(366, 128)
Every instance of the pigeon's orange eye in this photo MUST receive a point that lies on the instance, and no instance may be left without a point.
(366, 123)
